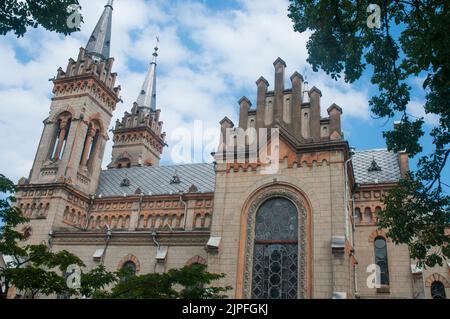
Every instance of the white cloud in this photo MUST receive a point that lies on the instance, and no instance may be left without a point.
(416, 109)
(208, 60)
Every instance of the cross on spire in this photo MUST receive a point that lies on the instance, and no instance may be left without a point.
(147, 96)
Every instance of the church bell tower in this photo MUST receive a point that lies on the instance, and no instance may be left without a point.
(66, 169)
(84, 98)
(138, 137)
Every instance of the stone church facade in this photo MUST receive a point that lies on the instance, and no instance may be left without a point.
(305, 231)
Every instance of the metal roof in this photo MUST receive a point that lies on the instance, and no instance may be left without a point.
(99, 43)
(157, 180)
(147, 95)
(387, 162)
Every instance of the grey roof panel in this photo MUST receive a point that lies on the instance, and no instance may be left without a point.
(99, 43)
(157, 180)
(387, 161)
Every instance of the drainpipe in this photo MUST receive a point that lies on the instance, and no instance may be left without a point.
(51, 235)
(185, 208)
(108, 238)
(346, 196)
(355, 277)
(154, 234)
(347, 233)
(88, 213)
(141, 197)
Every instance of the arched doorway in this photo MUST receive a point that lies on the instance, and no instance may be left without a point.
(275, 251)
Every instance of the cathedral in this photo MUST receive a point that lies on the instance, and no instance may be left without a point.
(307, 229)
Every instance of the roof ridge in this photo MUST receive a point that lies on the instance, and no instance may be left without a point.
(373, 150)
(157, 167)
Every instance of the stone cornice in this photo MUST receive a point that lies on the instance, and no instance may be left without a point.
(126, 130)
(135, 238)
(81, 95)
(172, 197)
(82, 77)
(53, 186)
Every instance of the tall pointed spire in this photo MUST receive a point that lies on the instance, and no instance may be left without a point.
(100, 41)
(147, 96)
(143, 120)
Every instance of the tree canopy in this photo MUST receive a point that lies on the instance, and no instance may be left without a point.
(412, 41)
(34, 269)
(189, 282)
(18, 16)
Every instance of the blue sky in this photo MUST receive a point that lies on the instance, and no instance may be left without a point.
(211, 53)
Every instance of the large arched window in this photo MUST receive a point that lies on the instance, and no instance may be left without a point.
(62, 133)
(275, 259)
(90, 144)
(438, 290)
(381, 259)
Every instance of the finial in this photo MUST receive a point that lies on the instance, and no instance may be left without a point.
(147, 95)
(155, 53)
(305, 90)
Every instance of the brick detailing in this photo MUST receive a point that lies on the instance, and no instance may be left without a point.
(196, 260)
(378, 233)
(127, 258)
(159, 219)
(436, 277)
(202, 219)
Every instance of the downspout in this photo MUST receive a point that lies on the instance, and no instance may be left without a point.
(347, 233)
(185, 209)
(51, 235)
(141, 197)
(346, 196)
(154, 234)
(108, 238)
(88, 213)
(355, 277)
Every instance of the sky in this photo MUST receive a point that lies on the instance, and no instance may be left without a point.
(211, 53)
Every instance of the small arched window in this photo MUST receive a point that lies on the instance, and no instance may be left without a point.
(367, 215)
(129, 268)
(438, 290)
(381, 259)
(123, 162)
(357, 216)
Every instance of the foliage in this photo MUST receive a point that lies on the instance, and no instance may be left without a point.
(412, 41)
(190, 282)
(35, 269)
(17, 16)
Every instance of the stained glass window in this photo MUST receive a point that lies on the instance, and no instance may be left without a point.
(437, 290)
(381, 259)
(275, 260)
